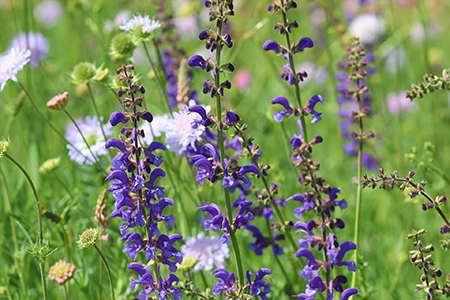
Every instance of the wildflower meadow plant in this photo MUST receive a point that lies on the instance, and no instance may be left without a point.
(231, 164)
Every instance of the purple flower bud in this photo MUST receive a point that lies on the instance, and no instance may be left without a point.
(231, 118)
(305, 42)
(148, 116)
(196, 61)
(203, 35)
(271, 45)
(117, 117)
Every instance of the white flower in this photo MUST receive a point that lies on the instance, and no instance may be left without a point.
(367, 27)
(37, 44)
(179, 132)
(90, 127)
(155, 128)
(208, 250)
(148, 25)
(11, 63)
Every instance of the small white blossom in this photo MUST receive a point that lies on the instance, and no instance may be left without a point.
(90, 127)
(155, 128)
(367, 27)
(148, 25)
(11, 63)
(179, 132)
(209, 251)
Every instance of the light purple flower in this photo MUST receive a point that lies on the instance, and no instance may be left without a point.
(48, 12)
(398, 103)
(208, 250)
(36, 43)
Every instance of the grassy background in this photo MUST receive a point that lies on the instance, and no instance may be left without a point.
(78, 36)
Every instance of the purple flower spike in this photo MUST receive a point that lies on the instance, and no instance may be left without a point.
(117, 117)
(271, 45)
(196, 61)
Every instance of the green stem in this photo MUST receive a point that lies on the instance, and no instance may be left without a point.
(36, 197)
(359, 187)
(65, 187)
(43, 281)
(47, 121)
(158, 79)
(66, 241)
(181, 210)
(107, 270)
(160, 62)
(86, 142)
(96, 110)
(100, 274)
(288, 278)
(8, 211)
(298, 96)
(221, 145)
(66, 291)
(40, 227)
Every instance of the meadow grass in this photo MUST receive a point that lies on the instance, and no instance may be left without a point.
(72, 190)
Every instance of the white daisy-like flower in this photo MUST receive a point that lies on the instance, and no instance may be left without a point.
(154, 129)
(179, 132)
(147, 25)
(37, 44)
(11, 63)
(90, 127)
(208, 250)
(367, 27)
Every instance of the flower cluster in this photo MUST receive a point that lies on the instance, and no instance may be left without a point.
(140, 202)
(354, 101)
(321, 199)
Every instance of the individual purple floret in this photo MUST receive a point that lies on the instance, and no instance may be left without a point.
(258, 287)
(226, 282)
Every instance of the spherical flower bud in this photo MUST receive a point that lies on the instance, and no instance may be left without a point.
(122, 46)
(4, 146)
(61, 272)
(83, 73)
(50, 165)
(59, 101)
(88, 237)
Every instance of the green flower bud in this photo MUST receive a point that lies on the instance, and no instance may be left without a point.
(122, 47)
(50, 165)
(187, 264)
(4, 146)
(88, 238)
(101, 75)
(83, 73)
